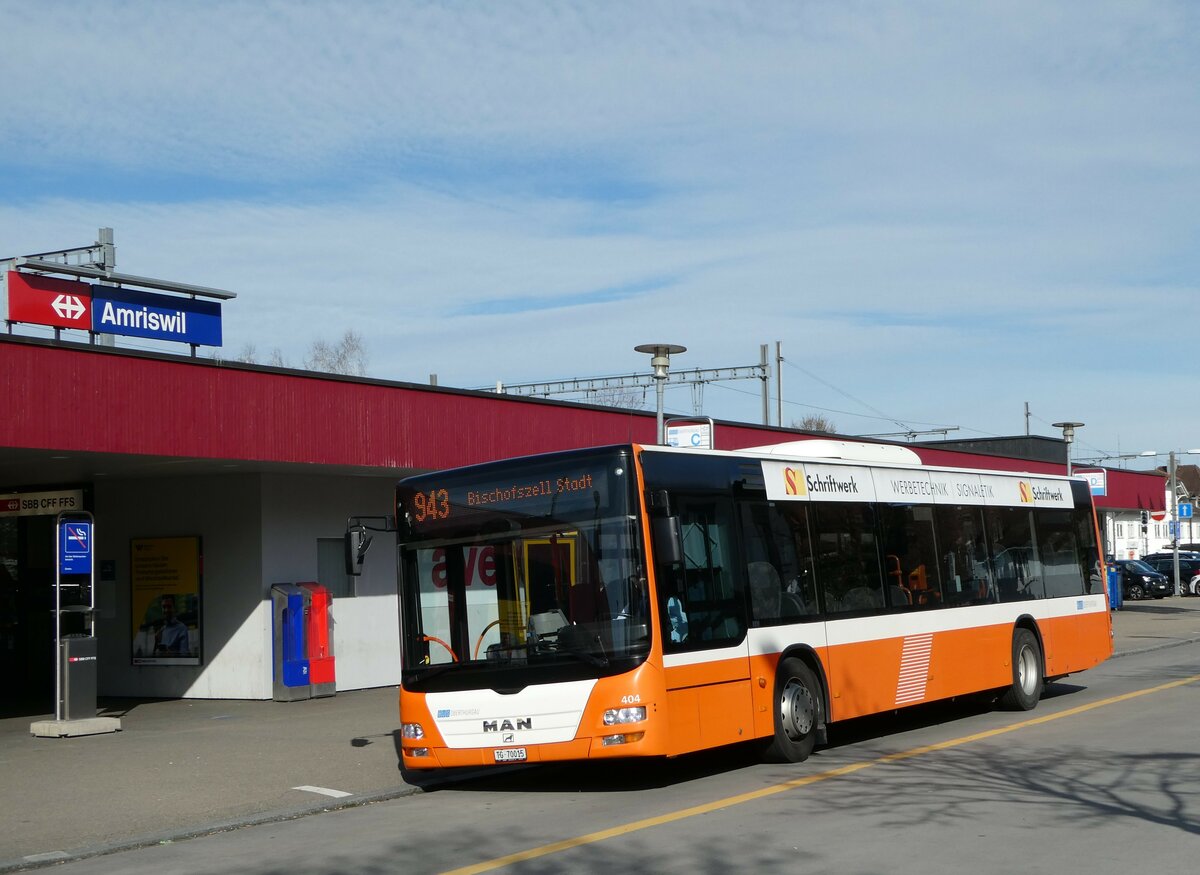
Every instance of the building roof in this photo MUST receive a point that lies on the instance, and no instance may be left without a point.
(79, 411)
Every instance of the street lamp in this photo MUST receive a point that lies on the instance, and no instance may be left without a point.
(1174, 487)
(1068, 430)
(660, 361)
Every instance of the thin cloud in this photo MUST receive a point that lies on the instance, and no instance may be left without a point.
(945, 210)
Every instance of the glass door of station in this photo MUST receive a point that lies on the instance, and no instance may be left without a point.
(27, 610)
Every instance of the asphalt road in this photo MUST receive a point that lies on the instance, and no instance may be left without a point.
(1103, 777)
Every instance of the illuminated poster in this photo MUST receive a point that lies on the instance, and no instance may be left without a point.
(164, 575)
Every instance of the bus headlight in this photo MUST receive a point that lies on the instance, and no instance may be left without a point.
(613, 716)
(413, 731)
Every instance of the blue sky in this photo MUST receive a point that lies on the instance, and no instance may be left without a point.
(942, 210)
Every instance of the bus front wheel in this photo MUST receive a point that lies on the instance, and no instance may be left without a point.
(1028, 679)
(797, 713)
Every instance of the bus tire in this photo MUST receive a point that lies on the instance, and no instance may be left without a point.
(797, 712)
(1028, 679)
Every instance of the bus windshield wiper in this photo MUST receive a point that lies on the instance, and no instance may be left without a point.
(573, 641)
(431, 672)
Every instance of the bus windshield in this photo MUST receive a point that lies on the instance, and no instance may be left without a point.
(509, 569)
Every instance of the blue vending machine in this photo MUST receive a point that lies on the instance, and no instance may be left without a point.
(291, 676)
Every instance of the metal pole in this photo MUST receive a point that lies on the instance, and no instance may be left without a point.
(659, 384)
(779, 383)
(1174, 520)
(766, 384)
(58, 678)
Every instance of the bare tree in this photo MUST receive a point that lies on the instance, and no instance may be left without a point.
(249, 356)
(629, 397)
(815, 422)
(347, 356)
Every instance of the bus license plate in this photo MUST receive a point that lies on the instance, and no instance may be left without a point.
(510, 755)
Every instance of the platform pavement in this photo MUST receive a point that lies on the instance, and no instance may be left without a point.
(186, 767)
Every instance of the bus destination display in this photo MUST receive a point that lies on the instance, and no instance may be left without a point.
(435, 501)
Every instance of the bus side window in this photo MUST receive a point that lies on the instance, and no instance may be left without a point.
(1067, 568)
(910, 556)
(848, 569)
(703, 591)
(1016, 563)
(963, 560)
(778, 562)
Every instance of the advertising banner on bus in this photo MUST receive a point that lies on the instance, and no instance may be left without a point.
(808, 481)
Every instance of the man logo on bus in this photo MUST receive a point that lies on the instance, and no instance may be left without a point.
(793, 482)
(1026, 490)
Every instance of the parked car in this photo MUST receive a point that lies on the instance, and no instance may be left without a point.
(1169, 555)
(1189, 569)
(1139, 580)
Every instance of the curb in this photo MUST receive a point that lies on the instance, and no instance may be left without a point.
(1118, 654)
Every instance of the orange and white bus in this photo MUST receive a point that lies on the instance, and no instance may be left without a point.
(651, 601)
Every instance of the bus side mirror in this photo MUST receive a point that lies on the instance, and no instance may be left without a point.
(665, 533)
(357, 544)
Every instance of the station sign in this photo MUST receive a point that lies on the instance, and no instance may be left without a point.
(1097, 481)
(697, 435)
(43, 300)
(75, 548)
(156, 317)
(40, 503)
(101, 309)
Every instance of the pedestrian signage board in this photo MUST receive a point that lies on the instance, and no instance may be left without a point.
(1097, 481)
(1185, 511)
(692, 434)
(43, 300)
(157, 317)
(75, 548)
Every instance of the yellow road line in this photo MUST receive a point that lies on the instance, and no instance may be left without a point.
(741, 798)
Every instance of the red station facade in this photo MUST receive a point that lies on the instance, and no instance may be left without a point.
(260, 468)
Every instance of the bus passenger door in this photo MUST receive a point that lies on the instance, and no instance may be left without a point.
(703, 609)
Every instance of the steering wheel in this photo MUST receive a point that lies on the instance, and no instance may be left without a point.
(453, 655)
(479, 643)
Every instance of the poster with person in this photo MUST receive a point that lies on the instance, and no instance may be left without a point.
(165, 600)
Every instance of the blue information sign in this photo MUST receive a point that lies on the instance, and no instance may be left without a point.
(75, 548)
(1185, 510)
(158, 317)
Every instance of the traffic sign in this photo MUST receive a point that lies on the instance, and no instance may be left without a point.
(1185, 510)
(75, 548)
(44, 300)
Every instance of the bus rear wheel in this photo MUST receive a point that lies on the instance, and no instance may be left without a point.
(1028, 679)
(797, 713)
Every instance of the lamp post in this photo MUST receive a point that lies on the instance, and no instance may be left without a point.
(660, 361)
(1068, 430)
